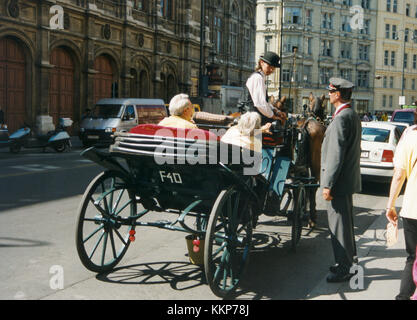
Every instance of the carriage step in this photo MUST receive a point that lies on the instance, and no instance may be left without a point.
(163, 222)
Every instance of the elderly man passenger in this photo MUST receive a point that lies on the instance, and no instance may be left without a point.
(243, 134)
(182, 111)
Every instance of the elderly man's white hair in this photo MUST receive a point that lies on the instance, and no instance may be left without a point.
(248, 122)
(178, 103)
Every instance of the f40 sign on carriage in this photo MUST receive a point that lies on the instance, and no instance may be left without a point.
(191, 175)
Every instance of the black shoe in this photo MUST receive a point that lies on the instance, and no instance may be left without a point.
(339, 277)
(334, 268)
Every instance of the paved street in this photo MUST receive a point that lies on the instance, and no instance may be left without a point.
(38, 211)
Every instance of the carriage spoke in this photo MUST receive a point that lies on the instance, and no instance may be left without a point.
(103, 255)
(113, 247)
(93, 233)
(111, 194)
(120, 236)
(119, 197)
(96, 246)
(123, 207)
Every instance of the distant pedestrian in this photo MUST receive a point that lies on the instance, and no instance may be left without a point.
(365, 118)
(405, 167)
(340, 177)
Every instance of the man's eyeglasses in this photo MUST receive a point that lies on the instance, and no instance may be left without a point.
(332, 91)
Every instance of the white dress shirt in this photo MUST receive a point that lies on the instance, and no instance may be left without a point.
(257, 90)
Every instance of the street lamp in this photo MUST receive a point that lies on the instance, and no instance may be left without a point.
(202, 40)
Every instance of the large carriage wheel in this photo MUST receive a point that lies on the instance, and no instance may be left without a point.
(300, 204)
(101, 240)
(228, 241)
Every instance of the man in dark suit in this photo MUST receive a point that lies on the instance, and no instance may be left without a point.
(340, 176)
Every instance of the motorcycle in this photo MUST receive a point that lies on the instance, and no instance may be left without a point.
(57, 139)
(4, 136)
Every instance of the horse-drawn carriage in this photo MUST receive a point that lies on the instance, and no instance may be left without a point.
(195, 178)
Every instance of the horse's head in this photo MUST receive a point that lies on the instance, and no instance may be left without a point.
(317, 105)
(280, 104)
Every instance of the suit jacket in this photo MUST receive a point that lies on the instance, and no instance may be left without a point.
(340, 154)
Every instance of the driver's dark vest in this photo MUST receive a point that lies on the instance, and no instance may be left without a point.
(250, 106)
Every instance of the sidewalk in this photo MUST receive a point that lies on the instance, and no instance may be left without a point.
(381, 266)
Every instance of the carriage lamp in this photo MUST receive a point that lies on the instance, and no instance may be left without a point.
(196, 247)
(109, 129)
(132, 235)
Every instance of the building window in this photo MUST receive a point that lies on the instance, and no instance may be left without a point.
(346, 74)
(327, 48)
(346, 50)
(268, 42)
(268, 15)
(363, 79)
(386, 57)
(384, 101)
(387, 31)
(327, 21)
(309, 17)
(394, 6)
(346, 24)
(286, 75)
(140, 5)
(167, 9)
(292, 15)
(233, 39)
(363, 52)
(393, 58)
(217, 34)
(325, 75)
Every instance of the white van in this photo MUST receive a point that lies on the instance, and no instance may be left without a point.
(118, 115)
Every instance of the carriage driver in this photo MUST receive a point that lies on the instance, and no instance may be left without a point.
(256, 94)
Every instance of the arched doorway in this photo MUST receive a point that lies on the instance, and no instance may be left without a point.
(171, 87)
(61, 86)
(12, 83)
(143, 84)
(103, 79)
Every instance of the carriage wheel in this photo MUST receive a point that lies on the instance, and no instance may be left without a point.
(300, 204)
(101, 240)
(228, 241)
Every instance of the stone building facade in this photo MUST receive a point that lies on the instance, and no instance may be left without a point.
(327, 46)
(58, 57)
(396, 63)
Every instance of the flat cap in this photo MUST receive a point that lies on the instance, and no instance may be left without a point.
(340, 84)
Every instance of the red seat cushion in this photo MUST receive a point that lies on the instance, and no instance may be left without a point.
(154, 129)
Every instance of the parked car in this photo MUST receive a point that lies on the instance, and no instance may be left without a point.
(401, 126)
(379, 140)
(403, 115)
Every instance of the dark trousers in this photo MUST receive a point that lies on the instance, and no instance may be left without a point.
(408, 286)
(340, 218)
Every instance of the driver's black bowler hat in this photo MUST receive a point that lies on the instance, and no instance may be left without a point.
(271, 58)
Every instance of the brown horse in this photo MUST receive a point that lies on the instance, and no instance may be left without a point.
(315, 130)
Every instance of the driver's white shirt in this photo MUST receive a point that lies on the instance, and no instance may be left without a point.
(257, 90)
